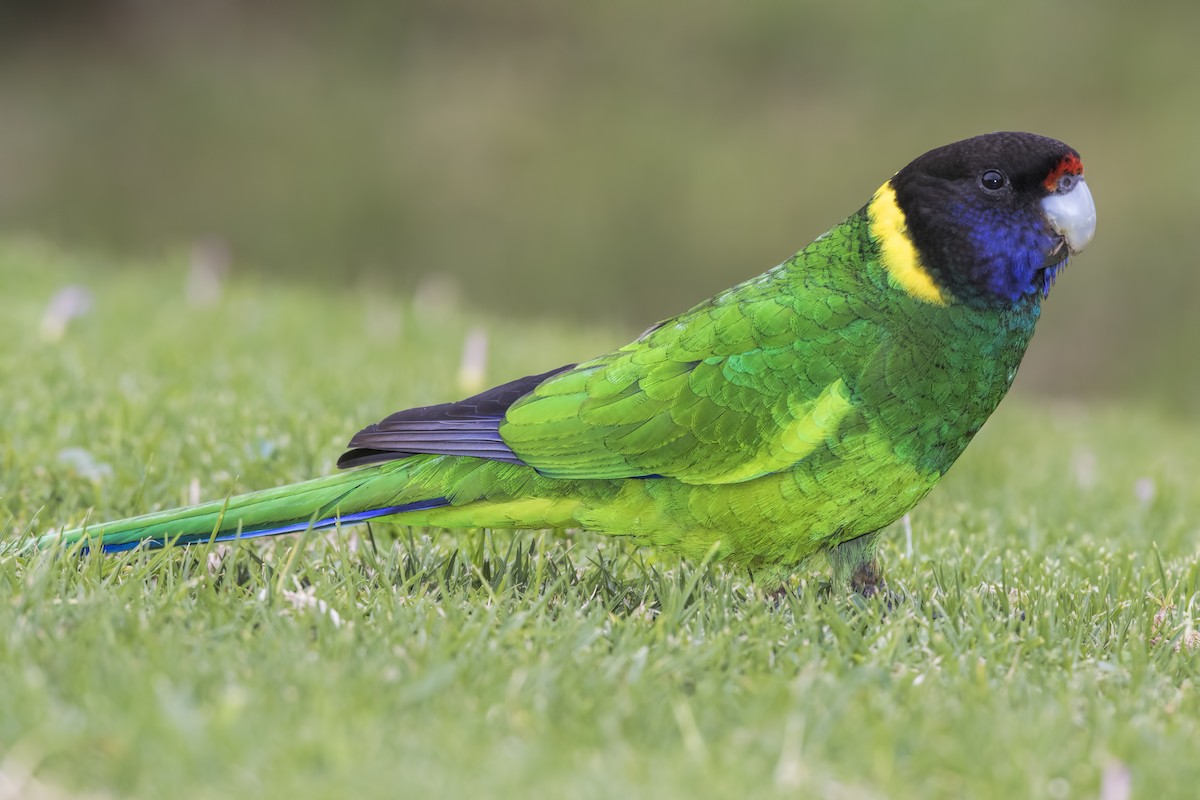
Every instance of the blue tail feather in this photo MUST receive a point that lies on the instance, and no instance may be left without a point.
(291, 527)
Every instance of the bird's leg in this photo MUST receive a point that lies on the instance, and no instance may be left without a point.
(854, 562)
(772, 581)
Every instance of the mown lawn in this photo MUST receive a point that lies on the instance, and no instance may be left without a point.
(1044, 645)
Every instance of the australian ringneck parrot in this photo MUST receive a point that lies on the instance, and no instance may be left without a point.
(791, 416)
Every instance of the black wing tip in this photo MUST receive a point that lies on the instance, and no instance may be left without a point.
(469, 427)
(362, 456)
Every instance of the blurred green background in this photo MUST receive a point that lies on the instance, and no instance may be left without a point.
(608, 162)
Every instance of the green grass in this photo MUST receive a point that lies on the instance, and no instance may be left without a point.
(1048, 597)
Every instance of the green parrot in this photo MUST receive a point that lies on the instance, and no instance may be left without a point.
(794, 415)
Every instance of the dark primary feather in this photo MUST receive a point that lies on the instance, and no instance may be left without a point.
(468, 427)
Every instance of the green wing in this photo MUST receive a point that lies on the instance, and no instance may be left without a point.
(746, 384)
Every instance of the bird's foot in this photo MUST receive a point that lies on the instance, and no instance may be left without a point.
(867, 579)
(773, 583)
(855, 565)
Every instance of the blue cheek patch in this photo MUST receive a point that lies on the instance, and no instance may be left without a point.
(1010, 252)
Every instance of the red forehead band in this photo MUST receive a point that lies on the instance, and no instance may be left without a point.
(1067, 165)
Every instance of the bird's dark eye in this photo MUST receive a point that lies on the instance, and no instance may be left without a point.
(993, 180)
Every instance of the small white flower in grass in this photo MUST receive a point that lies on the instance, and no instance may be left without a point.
(67, 304)
(84, 464)
(207, 266)
(216, 558)
(1116, 782)
(305, 599)
(472, 371)
(1186, 636)
(1085, 465)
(1144, 489)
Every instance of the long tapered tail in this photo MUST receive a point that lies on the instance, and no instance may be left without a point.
(346, 497)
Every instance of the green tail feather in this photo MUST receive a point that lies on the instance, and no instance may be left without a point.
(324, 502)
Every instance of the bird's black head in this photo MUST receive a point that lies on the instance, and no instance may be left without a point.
(987, 220)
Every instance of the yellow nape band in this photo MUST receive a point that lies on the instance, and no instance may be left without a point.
(900, 259)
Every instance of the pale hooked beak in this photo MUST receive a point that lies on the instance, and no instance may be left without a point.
(1072, 214)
